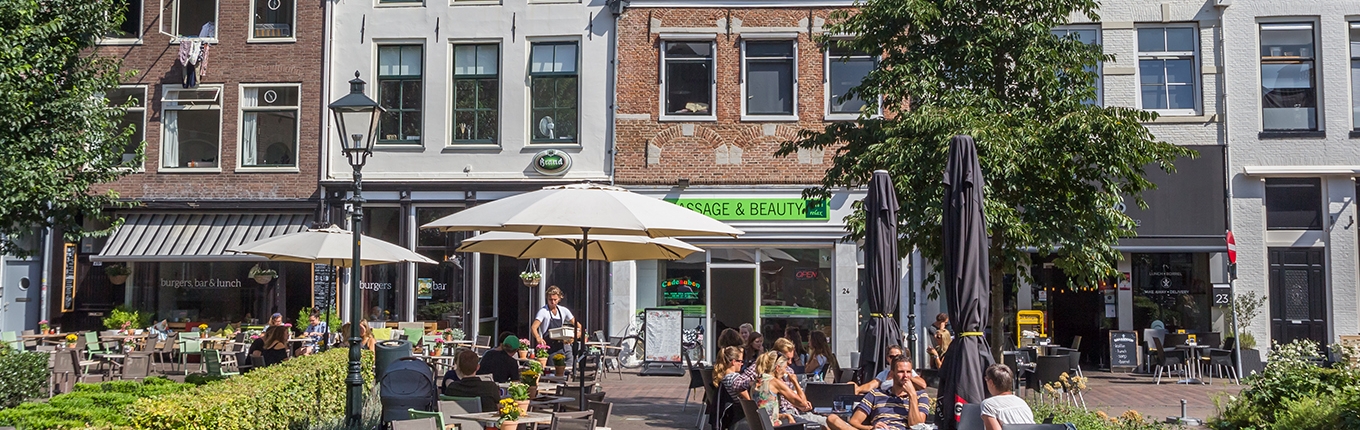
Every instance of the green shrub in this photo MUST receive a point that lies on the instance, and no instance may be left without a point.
(124, 314)
(333, 325)
(297, 393)
(1308, 413)
(1091, 420)
(23, 376)
(102, 405)
(1292, 392)
(202, 378)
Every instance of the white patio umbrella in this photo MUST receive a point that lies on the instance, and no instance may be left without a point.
(584, 209)
(602, 247)
(572, 209)
(332, 246)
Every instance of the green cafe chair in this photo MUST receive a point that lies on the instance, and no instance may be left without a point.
(212, 359)
(187, 347)
(11, 339)
(418, 414)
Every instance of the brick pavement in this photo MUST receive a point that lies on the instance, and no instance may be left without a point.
(655, 402)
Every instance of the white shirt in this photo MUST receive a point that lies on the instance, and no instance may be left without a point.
(544, 315)
(1008, 409)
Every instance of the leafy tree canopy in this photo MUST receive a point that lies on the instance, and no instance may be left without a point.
(58, 135)
(1056, 163)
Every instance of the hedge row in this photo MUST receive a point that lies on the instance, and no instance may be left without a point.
(294, 394)
(23, 376)
(101, 405)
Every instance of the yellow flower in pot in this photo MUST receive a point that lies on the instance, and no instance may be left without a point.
(509, 415)
(559, 361)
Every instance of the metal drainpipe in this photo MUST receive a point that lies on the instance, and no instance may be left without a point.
(614, 95)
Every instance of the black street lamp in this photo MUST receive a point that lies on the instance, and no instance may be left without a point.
(356, 117)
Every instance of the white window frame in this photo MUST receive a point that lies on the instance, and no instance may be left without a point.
(174, 22)
(141, 31)
(169, 103)
(143, 109)
(1195, 67)
(1354, 44)
(711, 38)
(827, 99)
(241, 111)
(250, 27)
(792, 38)
(378, 77)
(474, 2)
(1100, 68)
(529, 101)
(450, 142)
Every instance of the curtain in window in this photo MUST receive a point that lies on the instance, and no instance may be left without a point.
(170, 148)
(249, 124)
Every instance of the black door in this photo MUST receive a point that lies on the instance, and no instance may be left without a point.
(1297, 297)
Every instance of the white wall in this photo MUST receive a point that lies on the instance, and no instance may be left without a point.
(1302, 155)
(358, 26)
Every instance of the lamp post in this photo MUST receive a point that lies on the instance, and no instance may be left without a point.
(356, 117)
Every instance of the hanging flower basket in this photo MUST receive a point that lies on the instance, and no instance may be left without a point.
(118, 279)
(531, 278)
(263, 279)
(263, 276)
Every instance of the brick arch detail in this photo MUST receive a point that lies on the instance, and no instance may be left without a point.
(668, 134)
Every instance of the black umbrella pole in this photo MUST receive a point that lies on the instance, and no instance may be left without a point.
(354, 381)
(584, 269)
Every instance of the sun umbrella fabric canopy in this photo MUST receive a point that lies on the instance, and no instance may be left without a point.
(330, 245)
(568, 209)
(602, 247)
(880, 330)
(966, 284)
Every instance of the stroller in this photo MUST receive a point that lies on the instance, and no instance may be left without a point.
(407, 384)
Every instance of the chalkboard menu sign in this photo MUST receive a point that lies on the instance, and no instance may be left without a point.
(1123, 349)
(324, 286)
(68, 278)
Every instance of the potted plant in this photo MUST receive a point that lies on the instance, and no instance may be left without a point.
(559, 361)
(530, 378)
(541, 353)
(1245, 308)
(47, 328)
(263, 276)
(523, 351)
(520, 393)
(531, 278)
(510, 414)
(438, 348)
(117, 273)
(71, 340)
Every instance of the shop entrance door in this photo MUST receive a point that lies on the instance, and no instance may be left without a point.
(1297, 295)
(19, 296)
(732, 297)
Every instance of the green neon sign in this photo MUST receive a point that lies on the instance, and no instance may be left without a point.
(758, 209)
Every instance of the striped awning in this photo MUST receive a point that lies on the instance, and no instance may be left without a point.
(195, 236)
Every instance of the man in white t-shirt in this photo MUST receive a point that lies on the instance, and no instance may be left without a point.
(1004, 407)
(550, 316)
(883, 380)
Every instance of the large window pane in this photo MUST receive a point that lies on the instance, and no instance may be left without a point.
(476, 91)
(795, 292)
(269, 124)
(1293, 204)
(847, 69)
(196, 18)
(400, 92)
(273, 19)
(193, 137)
(769, 78)
(689, 78)
(131, 28)
(1166, 68)
(382, 282)
(1289, 101)
(1171, 288)
(1355, 75)
(553, 92)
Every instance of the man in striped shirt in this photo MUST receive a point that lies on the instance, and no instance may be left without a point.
(898, 407)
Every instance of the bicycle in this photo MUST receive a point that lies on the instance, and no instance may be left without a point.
(634, 345)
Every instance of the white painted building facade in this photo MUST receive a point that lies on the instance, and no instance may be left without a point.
(485, 99)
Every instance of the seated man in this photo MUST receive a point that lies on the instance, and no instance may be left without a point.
(500, 363)
(465, 364)
(903, 405)
(883, 380)
(315, 333)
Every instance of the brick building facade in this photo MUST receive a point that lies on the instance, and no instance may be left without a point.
(229, 158)
(707, 90)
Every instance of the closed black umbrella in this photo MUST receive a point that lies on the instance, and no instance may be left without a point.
(967, 288)
(880, 330)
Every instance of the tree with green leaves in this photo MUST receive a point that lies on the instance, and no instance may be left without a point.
(58, 135)
(1056, 163)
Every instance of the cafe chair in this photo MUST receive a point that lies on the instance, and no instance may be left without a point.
(970, 418)
(695, 381)
(1168, 359)
(189, 347)
(417, 415)
(562, 423)
(417, 424)
(1221, 359)
(447, 409)
(11, 340)
(823, 394)
(610, 354)
(1020, 374)
(710, 393)
(759, 419)
(212, 361)
(137, 366)
(1047, 369)
(483, 342)
(600, 411)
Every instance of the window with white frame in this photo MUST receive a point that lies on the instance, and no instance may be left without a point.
(1089, 35)
(273, 19)
(133, 99)
(1288, 87)
(401, 93)
(476, 93)
(191, 127)
(131, 27)
(1166, 69)
(554, 92)
(687, 79)
(1355, 75)
(195, 18)
(845, 69)
(770, 80)
(269, 125)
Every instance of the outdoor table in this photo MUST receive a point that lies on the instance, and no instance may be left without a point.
(543, 387)
(52, 338)
(438, 363)
(490, 419)
(1192, 356)
(549, 401)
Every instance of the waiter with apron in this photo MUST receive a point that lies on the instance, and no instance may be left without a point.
(552, 316)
